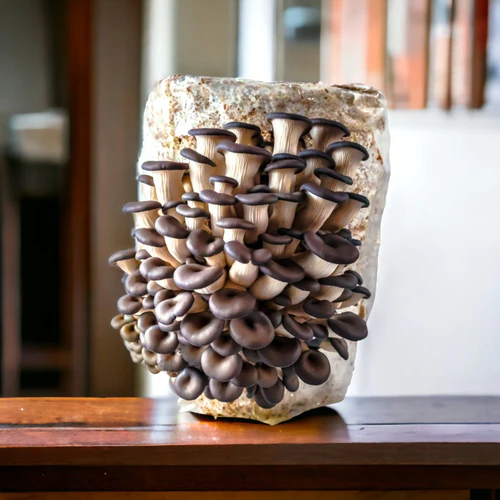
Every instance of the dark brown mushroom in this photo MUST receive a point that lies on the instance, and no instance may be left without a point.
(175, 235)
(313, 367)
(136, 285)
(201, 279)
(273, 395)
(349, 326)
(207, 140)
(246, 133)
(221, 368)
(345, 213)
(225, 392)
(290, 379)
(301, 331)
(254, 331)
(247, 376)
(201, 328)
(220, 206)
(160, 342)
(205, 245)
(190, 383)
(323, 132)
(225, 345)
(125, 260)
(192, 354)
(167, 177)
(173, 363)
(256, 210)
(201, 168)
(267, 375)
(282, 351)
(347, 156)
(314, 159)
(145, 212)
(229, 303)
(340, 345)
(129, 305)
(288, 128)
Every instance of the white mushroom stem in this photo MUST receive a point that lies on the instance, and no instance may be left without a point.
(196, 204)
(148, 192)
(307, 175)
(178, 248)
(356, 297)
(163, 254)
(343, 215)
(168, 185)
(314, 214)
(314, 266)
(223, 187)
(339, 270)
(128, 265)
(218, 212)
(245, 135)
(199, 174)
(297, 311)
(193, 223)
(147, 218)
(296, 295)
(332, 184)
(347, 160)
(243, 274)
(276, 250)
(287, 134)
(329, 293)
(282, 180)
(258, 215)
(173, 212)
(283, 215)
(290, 248)
(266, 287)
(218, 260)
(168, 283)
(282, 332)
(205, 145)
(217, 285)
(234, 286)
(323, 135)
(199, 305)
(186, 184)
(243, 167)
(233, 234)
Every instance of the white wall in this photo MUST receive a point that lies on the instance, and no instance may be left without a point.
(434, 327)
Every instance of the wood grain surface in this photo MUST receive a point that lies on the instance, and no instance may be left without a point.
(147, 445)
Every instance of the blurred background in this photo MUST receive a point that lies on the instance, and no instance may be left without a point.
(75, 75)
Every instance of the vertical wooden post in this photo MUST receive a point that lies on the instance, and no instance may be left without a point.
(479, 53)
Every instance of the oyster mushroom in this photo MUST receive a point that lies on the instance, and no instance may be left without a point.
(301, 331)
(325, 254)
(332, 287)
(176, 307)
(290, 379)
(281, 352)
(246, 133)
(155, 270)
(244, 268)
(323, 132)
(190, 383)
(159, 341)
(229, 303)
(204, 245)
(200, 169)
(129, 304)
(145, 212)
(331, 179)
(283, 211)
(223, 184)
(136, 285)
(358, 293)
(170, 208)
(297, 292)
(125, 260)
(202, 328)
(319, 206)
(288, 128)
(167, 177)
(199, 278)
(175, 235)
(234, 230)
(282, 174)
(225, 392)
(147, 185)
(193, 200)
(225, 345)
(349, 326)
(220, 206)
(155, 245)
(242, 163)
(247, 376)
(207, 140)
(297, 237)
(313, 367)
(254, 331)
(195, 218)
(345, 212)
(275, 277)
(275, 243)
(347, 156)
(256, 210)
(221, 368)
(314, 159)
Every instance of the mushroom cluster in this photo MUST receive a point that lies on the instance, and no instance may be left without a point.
(240, 278)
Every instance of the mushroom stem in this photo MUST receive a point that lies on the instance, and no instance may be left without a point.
(259, 215)
(243, 274)
(314, 214)
(314, 266)
(216, 285)
(266, 287)
(277, 251)
(168, 283)
(287, 133)
(296, 295)
(243, 168)
(282, 180)
(218, 260)
(163, 254)
(283, 215)
(167, 179)
(329, 293)
(147, 187)
(178, 249)
(186, 183)
(290, 248)
(345, 212)
(218, 212)
(324, 132)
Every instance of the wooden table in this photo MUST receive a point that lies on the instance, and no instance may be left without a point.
(438, 448)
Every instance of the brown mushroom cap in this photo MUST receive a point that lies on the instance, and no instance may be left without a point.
(294, 233)
(287, 156)
(192, 155)
(301, 331)
(363, 291)
(195, 132)
(195, 276)
(176, 307)
(233, 147)
(136, 284)
(260, 188)
(229, 303)
(223, 178)
(307, 285)
(149, 237)
(146, 179)
(238, 251)
(289, 116)
(276, 318)
(319, 331)
(331, 123)
(257, 198)
(348, 325)
(254, 331)
(215, 198)
(329, 172)
(275, 239)
(141, 206)
(340, 345)
(326, 194)
(190, 383)
(285, 270)
(122, 255)
(155, 269)
(305, 154)
(319, 308)
(171, 204)
(221, 368)
(346, 280)
(129, 305)
(356, 275)
(173, 362)
(313, 367)
(159, 341)
(142, 254)
(296, 165)
(260, 400)
(331, 247)
(225, 345)
(169, 226)
(261, 256)
(282, 300)
(154, 288)
(267, 375)
(226, 392)
(191, 196)
(201, 328)
(192, 354)
(346, 144)
(360, 198)
(345, 295)
(193, 212)
(203, 244)
(273, 395)
(282, 351)
(247, 376)
(290, 379)
(248, 126)
(235, 223)
(251, 355)
(151, 166)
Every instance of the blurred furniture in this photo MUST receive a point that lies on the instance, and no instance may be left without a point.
(390, 448)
